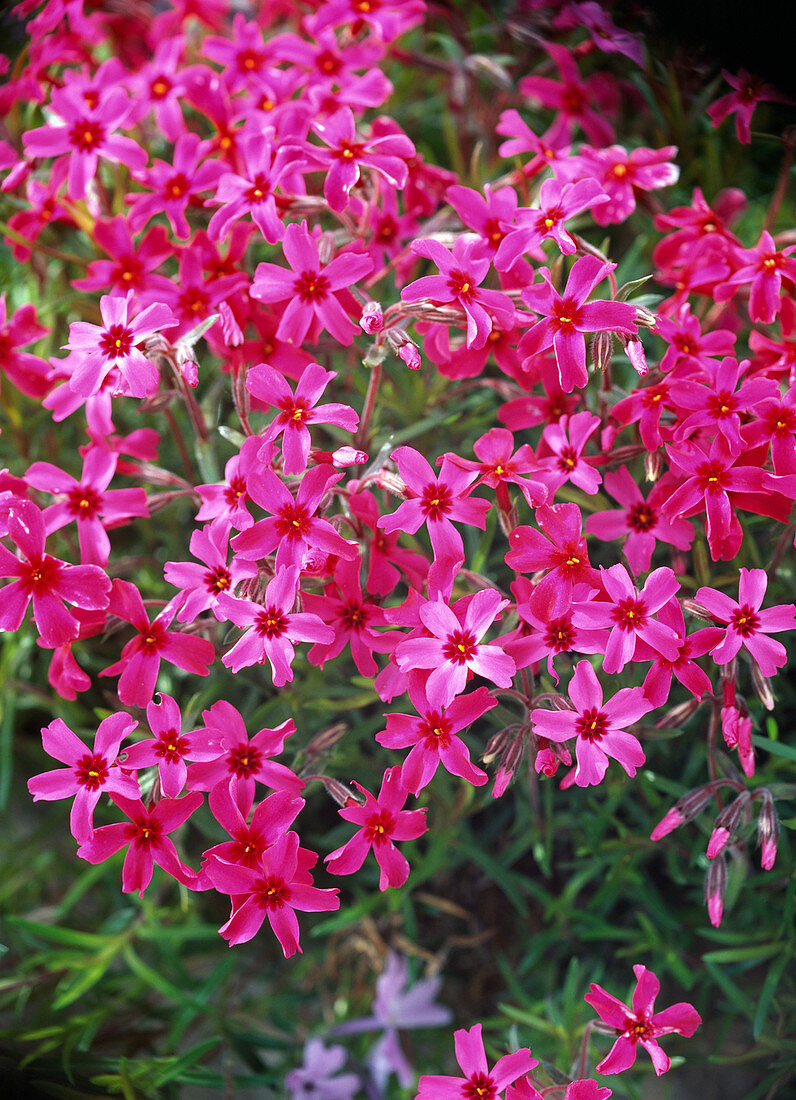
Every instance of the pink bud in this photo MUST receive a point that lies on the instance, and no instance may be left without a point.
(190, 373)
(546, 762)
(672, 820)
(410, 356)
(635, 353)
(715, 890)
(372, 319)
(768, 832)
(718, 840)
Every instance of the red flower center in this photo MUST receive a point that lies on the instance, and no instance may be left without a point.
(350, 150)
(745, 621)
(250, 60)
(171, 746)
(294, 413)
(144, 832)
(460, 647)
(641, 518)
(84, 502)
(293, 522)
(379, 827)
(591, 725)
(177, 187)
(567, 460)
(722, 404)
(259, 190)
(355, 614)
(160, 87)
(270, 623)
(566, 315)
(115, 342)
(560, 635)
(217, 580)
(235, 491)
(435, 731)
(91, 771)
(435, 501)
(630, 614)
(273, 892)
(86, 135)
(479, 1087)
(244, 760)
(712, 477)
(461, 284)
(311, 286)
(40, 575)
(153, 638)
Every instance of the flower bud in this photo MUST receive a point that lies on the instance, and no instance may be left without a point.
(716, 889)
(653, 465)
(635, 353)
(602, 347)
(230, 329)
(685, 809)
(644, 317)
(767, 831)
(762, 686)
(410, 356)
(372, 319)
(726, 824)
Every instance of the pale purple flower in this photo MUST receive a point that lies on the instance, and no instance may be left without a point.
(318, 1077)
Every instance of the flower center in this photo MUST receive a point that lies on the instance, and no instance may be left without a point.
(273, 892)
(436, 501)
(177, 187)
(84, 502)
(745, 621)
(630, 614)
(293, 522)
(91, 771)
(479, 1087)
(379, 827)
(560, 635)
(160, 87)
(171, 746)
(40, 575)
(271, 623)
(641, 518)
(311, 286)
(116, 342)
(460, 647)
(244, 760)
(217, 580)
(87, 135)
(591, 725)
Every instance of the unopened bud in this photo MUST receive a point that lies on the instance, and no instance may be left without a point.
(726, 824)
(762, 686)
(230, 329)
(653, 465)
(190, 373)
(372, 319)
(694, 608)
(324, 741)
(410, 356)
(602, 347)
(678, 715)
(685, 809)
(508, 765)
(716, 889)
(644, 317)
(635, 353)
(327, 247)
(767, 831)
(342, 457)
(340, 792)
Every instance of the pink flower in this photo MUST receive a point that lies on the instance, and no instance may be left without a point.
(114, 346)
(559, 548)
(270, 820)
(382, 821)
(620, 174)
(567, 440)
(297, 410)
(275, 888)
(88, 502)
(170, 186)
(432, 734)
(500, 466)
(91, 772)
(250, 190)
(747, 625)
(462, 271)
(310, 288)
(640, 520)
(241, 761)
(170, 747)
(599, 727)
(271, 627)
(575, 98)
(202, 585)
(763, 271)
(630, 615)
(565, 318)
(749, 91)
(138, 666)
(27, 372)
(479, 1082)
(454, 649)
(45, 580)
(557, 203)
(640, 1024)
(146, 833)
(386, 155)
(435, 500)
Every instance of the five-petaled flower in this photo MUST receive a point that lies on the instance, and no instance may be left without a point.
(747, 625)
(479, 1082)
(640, 1023)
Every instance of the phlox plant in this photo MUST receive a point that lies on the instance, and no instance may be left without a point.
(396, 548)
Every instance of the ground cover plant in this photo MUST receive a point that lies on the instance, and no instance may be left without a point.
(398, 463)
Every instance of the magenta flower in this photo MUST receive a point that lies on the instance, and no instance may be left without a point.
(747, 624)
(114, 345)
(620, 174)
(226, 501)
(271, 819)
(387, 156)
(146, 833)
(565, 318)
(90, 772)
(382, 821)
(658, 681)
(762, 269)
(640, 519)
(293, 528)
(629, 613)
(454, 649)
(310, 287)
(435, 500)
(88, 502)
(45, 580)
(479, 1082)
(575, 98)
(241, 761)
(250, 190)
(271, 627)
(487, 214)
(599, 727)
(432, 734)
(27, 372)
(275, 888)
(170, 186)
(202, 585)
(500, 466)
(559, 548)
(132, 263)
(640, 1024)
(86, 135)
(567, 440)
(297, 410)
(170, 747)
(385, 556)
(461, 274)
(557, 203)
(138, 666)
(749, 91)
